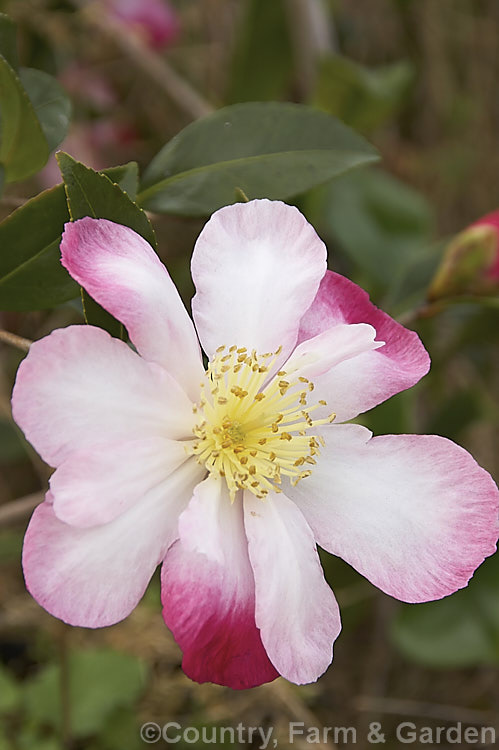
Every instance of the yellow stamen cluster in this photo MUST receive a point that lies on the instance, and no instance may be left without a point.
(253, 430)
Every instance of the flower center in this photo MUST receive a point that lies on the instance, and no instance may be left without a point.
(253, 430)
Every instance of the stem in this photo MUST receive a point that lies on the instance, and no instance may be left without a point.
(430, 309)
(425, 311)
(18, 341)
(18, 510)
(312, 36)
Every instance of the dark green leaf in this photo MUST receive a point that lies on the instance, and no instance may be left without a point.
(361, 97)
(8, 40)
(266, 149)
(96, 315)
(52, 106)
(93, 194)
(101, 681)
(262, 67)
(461, 630)
(23, 146)
(31, 274)
(126, 176)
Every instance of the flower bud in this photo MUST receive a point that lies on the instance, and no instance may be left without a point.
(470, 263)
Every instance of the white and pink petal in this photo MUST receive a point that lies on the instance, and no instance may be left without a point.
(95, 577)
(96, 485)
(121, 271)
(359, 383)
(296, 610)
(208, 593)
(415, 514)
(318, 355)
(257, 268)
(79, 388)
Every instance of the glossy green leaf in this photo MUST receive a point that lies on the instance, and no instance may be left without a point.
(91, 193)
(31, 274)
(363, 98)
(262, 66)
(23, 146)
(51, 105)
(101, 681)
(460, 630)
(266, 149)
(8, 40)
(126, 176)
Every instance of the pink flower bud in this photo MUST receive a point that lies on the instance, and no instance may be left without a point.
(470, 264)
(492, 221)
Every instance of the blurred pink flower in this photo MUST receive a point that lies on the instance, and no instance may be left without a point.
(97, 143)
(231, 477)
(88, 86)
(157, 20)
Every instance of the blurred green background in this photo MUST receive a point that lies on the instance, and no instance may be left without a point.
(419, 78)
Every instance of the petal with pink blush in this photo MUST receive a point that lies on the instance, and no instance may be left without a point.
(208, 593)
(295, 609)
(415, 514)
(256, 267)
(121, 271)
(95, 486)
(95, 577)
(317, 355)
(356, 385)
(79, 388)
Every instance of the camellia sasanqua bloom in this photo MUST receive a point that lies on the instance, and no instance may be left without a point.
(232, 476)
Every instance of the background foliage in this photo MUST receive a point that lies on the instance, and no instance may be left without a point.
(254, 98)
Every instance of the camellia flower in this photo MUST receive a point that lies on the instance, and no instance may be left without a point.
(230, 477)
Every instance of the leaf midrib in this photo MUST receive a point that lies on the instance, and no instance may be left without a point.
(156, 186)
